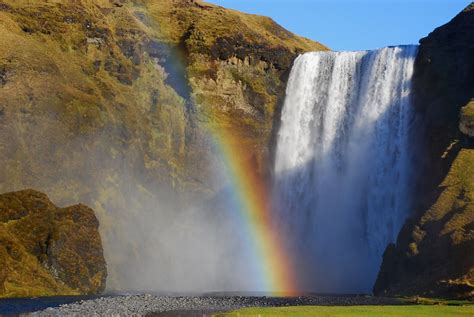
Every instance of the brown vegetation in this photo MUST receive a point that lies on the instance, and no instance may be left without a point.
(46, 250)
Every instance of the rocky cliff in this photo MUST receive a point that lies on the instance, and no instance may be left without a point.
(434, 253)
(112, 103)
(237, 66)
(46, 250)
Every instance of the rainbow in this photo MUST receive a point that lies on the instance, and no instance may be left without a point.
(274, 265)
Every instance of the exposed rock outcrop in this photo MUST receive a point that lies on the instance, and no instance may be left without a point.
(238, 66)
(466, 120)
(46, 250)
(434, 253)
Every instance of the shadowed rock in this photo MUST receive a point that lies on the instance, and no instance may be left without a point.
(434, 253)
(466, 121)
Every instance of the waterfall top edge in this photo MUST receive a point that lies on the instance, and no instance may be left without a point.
(404, 46)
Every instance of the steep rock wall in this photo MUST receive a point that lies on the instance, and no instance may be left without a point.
(434, 254)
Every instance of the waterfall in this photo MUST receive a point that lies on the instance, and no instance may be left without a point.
(343, 164)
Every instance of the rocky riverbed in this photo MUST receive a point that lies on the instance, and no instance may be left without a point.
(151, 305)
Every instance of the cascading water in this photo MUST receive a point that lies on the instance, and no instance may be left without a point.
(343, 163)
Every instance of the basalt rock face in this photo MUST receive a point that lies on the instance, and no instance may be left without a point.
(113, 103)
(46, 250)
(434, 253)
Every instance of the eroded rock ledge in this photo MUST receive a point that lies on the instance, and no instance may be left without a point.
(46, 250)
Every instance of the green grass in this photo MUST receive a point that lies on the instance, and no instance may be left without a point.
(434, 301)
(357, 311)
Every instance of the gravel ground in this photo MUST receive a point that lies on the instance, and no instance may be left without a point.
(166, 306)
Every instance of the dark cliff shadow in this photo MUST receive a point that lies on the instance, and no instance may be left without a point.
(443, 84)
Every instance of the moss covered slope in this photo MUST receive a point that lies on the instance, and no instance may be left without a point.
(237, 65)
(109, 102)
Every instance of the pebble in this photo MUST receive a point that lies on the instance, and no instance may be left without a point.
(143, 305)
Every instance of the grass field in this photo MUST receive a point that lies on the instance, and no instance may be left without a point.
(357, 311)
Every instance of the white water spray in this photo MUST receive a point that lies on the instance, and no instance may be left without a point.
(343, 164)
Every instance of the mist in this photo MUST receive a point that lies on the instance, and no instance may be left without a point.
(169, 249)
(158, 235)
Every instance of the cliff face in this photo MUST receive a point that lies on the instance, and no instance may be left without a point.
(46, 250)
(111, 103)
(434, 253)
(237, 66)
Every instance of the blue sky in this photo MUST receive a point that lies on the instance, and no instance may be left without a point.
(355, 24)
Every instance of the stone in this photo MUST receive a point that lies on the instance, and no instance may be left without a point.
(46, 250)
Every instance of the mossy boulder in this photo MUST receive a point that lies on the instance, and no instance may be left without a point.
(46, 250)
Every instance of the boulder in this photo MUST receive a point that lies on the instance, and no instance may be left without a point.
(46, 250)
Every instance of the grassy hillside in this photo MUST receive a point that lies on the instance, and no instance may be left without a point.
(110, 102)
(176, 17)
(237, 65)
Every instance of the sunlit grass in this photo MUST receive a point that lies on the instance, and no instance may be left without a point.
(357, 311)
